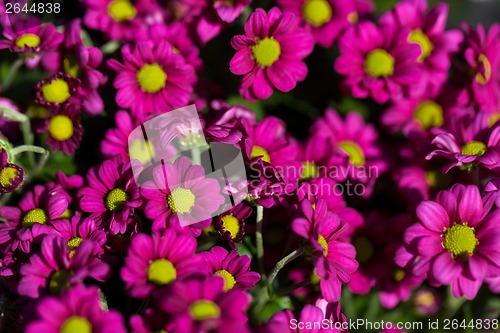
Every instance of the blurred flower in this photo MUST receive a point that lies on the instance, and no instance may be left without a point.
(153, 79)
(333, 259)
(11, 174)
(181, 191)
(454, 242)
(155, 261)
(233, 268)
(427, 31)
(77, 310)
(198, 305)
(379, 62)
(270, 53)
(428, 302)
(55, 269)
(111, 195)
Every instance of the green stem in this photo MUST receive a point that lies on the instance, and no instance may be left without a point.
(282, 263)
(144, 305)
(196, 156)
(258, 238)
(28, 148)
(14, 115)
(41, 162)
(12, 73)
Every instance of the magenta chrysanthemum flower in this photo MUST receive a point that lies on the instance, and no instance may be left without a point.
(181, 191)
(231, 224)
(323, 317)
(31, 39)
(111, 195)
(64, 130)
(156, 261)
(120, 20)
(494, 187)
(482, 56)
(77, 310)
(58, 90)
(379, 62)
(325, 18)
(11, 174)
(32, 218)
(233, 268)
(78, 229)
(56, 267)
(455, 241)
(428, 31)
(199, 305)
(153, 79)
(355, 154)
(333, 259)
(270, 53)
(470, 140)
(79, 61)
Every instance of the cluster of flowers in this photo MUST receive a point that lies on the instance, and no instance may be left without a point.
(75, 244)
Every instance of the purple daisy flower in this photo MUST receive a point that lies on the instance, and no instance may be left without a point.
(233, 268)
(379, 61)
(326, 19)
(77, 310)
(202, 305)
(455, 241)
(56, 267)
(58, 90)
(79, 61)
(111, 195)
(32, 218)
(156, 261)
(427, 31)
(78, 229)
(231, 223)
(64, 129)
(493, 186)
(333, 259)
(270, 54)
(11, 174)
(153, 79)
(30, 38)
(470, 140)
(180, 196)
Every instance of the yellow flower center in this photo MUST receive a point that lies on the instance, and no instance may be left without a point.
(354, 151)
(121, 10)
(70, 65)
(420, 38)
(315, 279)
(30, 40)
(259, 151)
(309, 171)
(266, 52)
(181, 200)
(75, 324)
(74, 242)
(33, 216)
(324, 244)
(460, 240)
(398, 275)
(364, 249)
(424, 298)
(58, 281)
(68, 213)
(56, 91)
(353, 17)
(379, 63)
(204, 309)
(161, 272)
(493, 119)
(115, 198)
(141, 150)
(7, 176)
(61, 127)
(485, 62)
(317, 12)
(151, 78)
(429, 114)
(229, 280)
(231, 224)
(474, 148)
